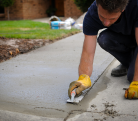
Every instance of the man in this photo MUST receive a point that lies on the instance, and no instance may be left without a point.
(120, 39)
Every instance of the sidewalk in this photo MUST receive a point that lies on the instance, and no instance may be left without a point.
(43, 20)
(33, 86)
(107, 102)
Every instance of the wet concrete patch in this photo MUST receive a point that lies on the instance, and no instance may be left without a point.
(107, 109)
(97, 87)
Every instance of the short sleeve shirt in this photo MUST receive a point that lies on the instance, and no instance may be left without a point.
(128, 20)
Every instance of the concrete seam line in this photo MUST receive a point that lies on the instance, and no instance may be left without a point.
(81, 111)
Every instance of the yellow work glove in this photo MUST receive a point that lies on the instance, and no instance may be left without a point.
(132, 91)
(81, 84)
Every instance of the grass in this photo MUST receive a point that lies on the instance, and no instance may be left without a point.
(27, 29)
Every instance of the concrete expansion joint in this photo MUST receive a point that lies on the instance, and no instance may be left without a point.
(72, 112)
(49, 108)
(106, 114)
(68, 113)
(109, 111)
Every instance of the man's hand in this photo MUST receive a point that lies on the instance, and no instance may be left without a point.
(132, 91)
(81, 84)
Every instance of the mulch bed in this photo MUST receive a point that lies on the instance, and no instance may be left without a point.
(20, 46)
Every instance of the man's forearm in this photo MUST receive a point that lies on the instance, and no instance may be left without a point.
(86, 62)
(136, 70)
(135, 78)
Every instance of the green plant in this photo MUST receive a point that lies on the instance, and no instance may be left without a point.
(83, 5)
(51, 10)
(6, 3)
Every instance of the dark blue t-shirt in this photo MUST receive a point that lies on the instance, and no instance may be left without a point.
(128, 21)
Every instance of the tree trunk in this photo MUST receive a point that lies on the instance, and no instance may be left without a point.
(8, 13)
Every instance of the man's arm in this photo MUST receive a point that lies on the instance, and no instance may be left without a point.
(132, 91)
(85, 67)
(136, 63)
(87, 57)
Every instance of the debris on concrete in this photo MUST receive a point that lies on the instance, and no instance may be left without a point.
(98, 120)
(108, 105)
(109, 111)
(104, 118)
(93, 106)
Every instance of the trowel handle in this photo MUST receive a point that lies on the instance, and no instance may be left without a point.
(73, 93)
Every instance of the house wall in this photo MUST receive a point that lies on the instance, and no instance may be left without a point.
(70, 9)
(15, 11)
(35, 8)
(28, 9)
(32, 9)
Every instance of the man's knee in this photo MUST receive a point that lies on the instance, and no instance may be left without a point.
(103, 40)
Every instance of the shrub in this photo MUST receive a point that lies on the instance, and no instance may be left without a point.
(83, 4)
(6, 3)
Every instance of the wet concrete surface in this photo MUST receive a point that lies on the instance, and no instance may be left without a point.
(37, 83)
(109, 103)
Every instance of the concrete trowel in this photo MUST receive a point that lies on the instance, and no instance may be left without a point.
(76, 99)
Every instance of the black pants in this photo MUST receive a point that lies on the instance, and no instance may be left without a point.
(122, 47)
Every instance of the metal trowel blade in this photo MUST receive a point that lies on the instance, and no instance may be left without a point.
(79, 98)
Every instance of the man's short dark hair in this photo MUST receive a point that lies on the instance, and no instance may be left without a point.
(113, 5)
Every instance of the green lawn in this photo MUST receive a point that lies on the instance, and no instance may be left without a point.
(28, 29)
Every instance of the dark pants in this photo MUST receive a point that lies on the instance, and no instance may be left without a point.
(122, 47)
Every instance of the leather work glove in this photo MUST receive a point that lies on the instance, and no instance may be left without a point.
(132, 91)
(81, 84)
